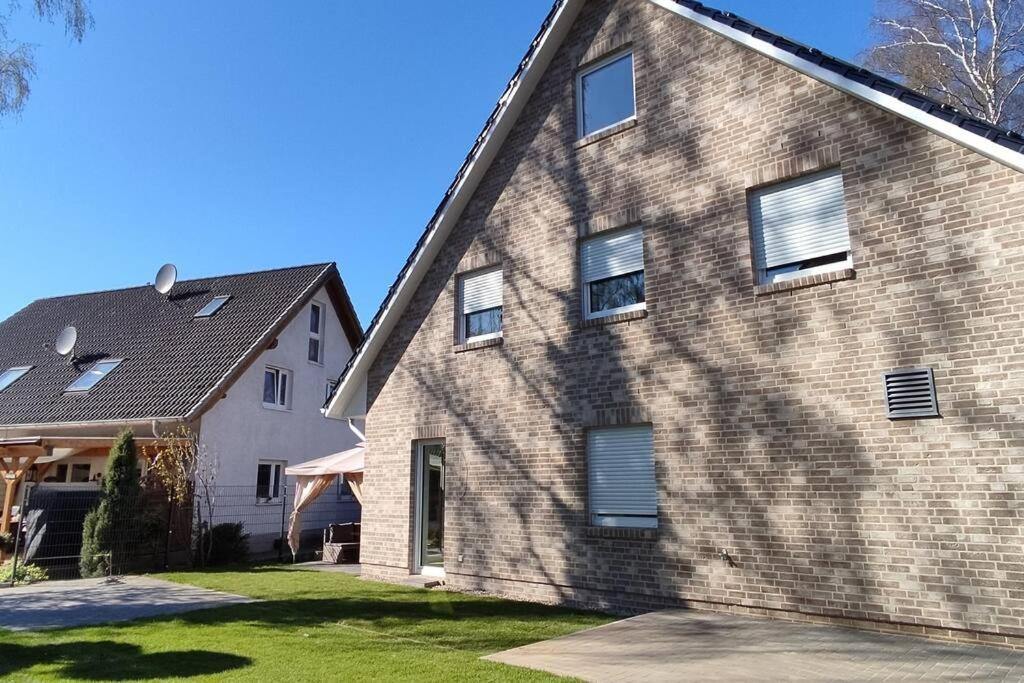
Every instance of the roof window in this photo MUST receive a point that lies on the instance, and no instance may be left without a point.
(210, 309)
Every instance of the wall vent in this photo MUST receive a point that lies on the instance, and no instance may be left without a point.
(910, 393)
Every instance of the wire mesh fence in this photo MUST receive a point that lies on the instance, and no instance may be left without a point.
(157, 534)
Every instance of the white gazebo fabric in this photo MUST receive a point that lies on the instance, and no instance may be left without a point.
(316, 476)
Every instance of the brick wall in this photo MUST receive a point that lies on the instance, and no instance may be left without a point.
(770, 431)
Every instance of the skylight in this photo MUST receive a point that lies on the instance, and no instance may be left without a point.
(212, 307)
(9, 377)
(94, 375)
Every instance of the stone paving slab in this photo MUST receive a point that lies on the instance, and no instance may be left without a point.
(60, 604)
(687, 645)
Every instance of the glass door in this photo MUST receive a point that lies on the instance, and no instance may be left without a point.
(430, 517)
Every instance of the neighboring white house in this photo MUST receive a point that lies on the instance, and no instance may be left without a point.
(245, 361)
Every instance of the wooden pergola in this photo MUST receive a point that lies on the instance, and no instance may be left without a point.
(18, 455)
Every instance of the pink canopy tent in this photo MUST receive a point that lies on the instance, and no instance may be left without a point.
(316, 476)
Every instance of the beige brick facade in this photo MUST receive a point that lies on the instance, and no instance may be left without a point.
(770, 429)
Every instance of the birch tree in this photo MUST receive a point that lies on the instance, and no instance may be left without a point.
(17, 59)
(965, 53)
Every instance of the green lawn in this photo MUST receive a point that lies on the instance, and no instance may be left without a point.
(308, 626)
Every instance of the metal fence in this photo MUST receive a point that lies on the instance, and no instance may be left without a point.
(156, 534)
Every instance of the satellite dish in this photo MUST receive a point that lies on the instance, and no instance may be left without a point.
(165, 278)
(66, 340)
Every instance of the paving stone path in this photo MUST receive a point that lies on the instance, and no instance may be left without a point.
(682, 645)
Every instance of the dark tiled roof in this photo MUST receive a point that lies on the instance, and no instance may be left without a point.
(1003, 137)
(171, 360)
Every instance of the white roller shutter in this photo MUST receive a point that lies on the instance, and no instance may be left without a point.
(800, 220)
(481, 291)
(617, 254)
(621, 476)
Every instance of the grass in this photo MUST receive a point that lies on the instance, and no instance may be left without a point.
(307, 626)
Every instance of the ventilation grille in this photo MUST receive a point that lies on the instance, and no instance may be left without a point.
(910, 393)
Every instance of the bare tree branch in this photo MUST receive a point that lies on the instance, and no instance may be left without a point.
(966, 53)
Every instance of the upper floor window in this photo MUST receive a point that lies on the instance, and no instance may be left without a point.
(332, 384)
(605, 95)
(620, 473)
(799, 227)
(613, 273)
(269, 475)
(276, 388)
(94, 375)
(316, 332)
(214, 305)
(12, 375)
(480, 305)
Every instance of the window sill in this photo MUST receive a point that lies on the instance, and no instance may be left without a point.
(804, 282)
(620, 532)
(270, 503)
(605, 133)
(482, 344)
(614, 318)
(276, 409)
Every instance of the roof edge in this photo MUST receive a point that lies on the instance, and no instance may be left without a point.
(979, 143)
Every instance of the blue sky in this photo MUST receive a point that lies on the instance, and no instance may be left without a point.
(235, 136)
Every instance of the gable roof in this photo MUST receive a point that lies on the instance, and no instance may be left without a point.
(175, 365)
(991, 141)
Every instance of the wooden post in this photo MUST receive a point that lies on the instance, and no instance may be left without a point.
(12, 476)
(12, 484)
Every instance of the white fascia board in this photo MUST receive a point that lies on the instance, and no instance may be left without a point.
(514, 101)
(978, 143)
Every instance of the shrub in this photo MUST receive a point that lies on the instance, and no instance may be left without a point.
(6, 542)
(107, 533)
(26, 573)
(229, 544)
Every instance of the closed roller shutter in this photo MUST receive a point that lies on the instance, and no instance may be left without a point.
(800, 220)
(617, 254)
(481, 291)
(621, 475)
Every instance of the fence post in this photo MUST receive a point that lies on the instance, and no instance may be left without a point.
(167, 534)
(17, 531)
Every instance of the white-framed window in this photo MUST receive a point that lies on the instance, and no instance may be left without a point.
(605, 94)
(270, 480)
(612, 273)
(316, 333)
(799, 227)
(620, 464)
(480, 305)
(72, 472)
(332, 384)
(94, 375)
(12, 375)
(277, 388)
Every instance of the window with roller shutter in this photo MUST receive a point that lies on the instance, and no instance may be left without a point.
(799, 227)
(612, 273)
(622, 488)
(480, 305)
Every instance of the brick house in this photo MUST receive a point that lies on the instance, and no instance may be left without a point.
(709, 318)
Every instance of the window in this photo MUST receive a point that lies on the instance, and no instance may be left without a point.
(613, 273)
(480, 305)
(331, 386)
(80, 473)
(268, 481)
(9, 377)
(605, 94)
(211, 308)
(94, 375)
(316, 328)
(799, 227)
(276, 388)
(620, 461)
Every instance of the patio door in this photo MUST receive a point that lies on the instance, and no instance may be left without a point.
(430, 508)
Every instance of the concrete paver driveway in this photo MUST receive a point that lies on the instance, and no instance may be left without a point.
(60, 604)
(686, 645)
